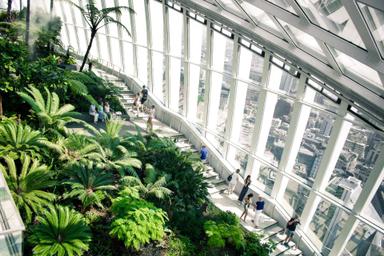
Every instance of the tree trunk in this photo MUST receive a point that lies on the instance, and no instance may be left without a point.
(28, 22)
(93, 34)
(1, 105)
(51, 9)
(9, 9)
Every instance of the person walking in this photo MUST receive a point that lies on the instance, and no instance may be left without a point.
(203, 154)
(247, 203)
(291, 227)
(259, 207)
(233, 181)
(244, 190)
(144, 96)
(136, 103)
(151, 116)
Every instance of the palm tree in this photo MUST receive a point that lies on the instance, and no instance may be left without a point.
(48, 111)
(77, 148)
(27, 182)
(156, 189)
(89, 184)
(116, 155)
(19, 138)
(60, 231)
(98, 18)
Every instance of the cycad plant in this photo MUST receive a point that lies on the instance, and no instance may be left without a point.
(78, 148)
(16, 139)
(156, 189)
(89, 184)
(28, 181)
(60, 231)
(116, 155)
(97, 18)
(49, 112)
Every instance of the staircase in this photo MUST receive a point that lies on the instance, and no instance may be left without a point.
(269, 227)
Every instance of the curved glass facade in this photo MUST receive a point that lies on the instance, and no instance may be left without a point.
(305, 146)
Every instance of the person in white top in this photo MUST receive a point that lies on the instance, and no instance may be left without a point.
(151, 116)
(233, 181)
(93, 112)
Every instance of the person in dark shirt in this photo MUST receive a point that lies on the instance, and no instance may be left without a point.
(291, 227)
(244, 190)
(144, 96)
(203, 153)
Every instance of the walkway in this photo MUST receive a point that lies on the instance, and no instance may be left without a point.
(270, 228)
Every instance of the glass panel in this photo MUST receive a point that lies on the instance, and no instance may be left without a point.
(201, 97)
(375, 210)
(175, 32)
(326, 225)
(216, 141)
(355, 69)
(112, 27)
(83, 40)
(375, 20)
(261, 16)
(128, 58)
(231, 7)
(142, 64)
(249, 117)
(323, 102)
(181, 90)
(126, 20)
(156, 10)
(278, 132)
(355, 163)
(296, 197)
(158, 75)
(223, 105)
(141, 21)
(332, 16)
(365, 241)
(283, 4)
(314, 142)
(115, 48)
(102, 39)
(304, 40)
(266, 179)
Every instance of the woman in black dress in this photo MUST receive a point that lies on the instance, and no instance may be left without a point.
(244, 191)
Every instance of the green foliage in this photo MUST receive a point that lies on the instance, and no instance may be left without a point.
(52, 117)
(89, 184)
(48, 37)
(27, 180)
(180, 246)
(16, 139)
(136, 222)
(156, 189)
(219, 234)
(60, 231)
(256, 247)
(115, 155)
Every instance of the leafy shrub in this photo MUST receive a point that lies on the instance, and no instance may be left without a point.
(256, 247)
(136, 222)
(180, 246)
(221, 234)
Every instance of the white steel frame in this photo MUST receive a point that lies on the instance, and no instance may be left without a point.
(301, 110)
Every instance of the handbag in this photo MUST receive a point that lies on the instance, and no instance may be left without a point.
(229, 178)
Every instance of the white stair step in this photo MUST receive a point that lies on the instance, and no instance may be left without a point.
(217, 189)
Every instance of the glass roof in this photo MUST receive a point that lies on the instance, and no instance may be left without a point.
(351, 32)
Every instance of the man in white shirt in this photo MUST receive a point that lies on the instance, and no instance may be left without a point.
(233, 182)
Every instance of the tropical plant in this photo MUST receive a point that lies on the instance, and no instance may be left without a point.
(156, 189)
(256, 246)
(180, 246)
(27, 180)
(136, 221)
(60, 231)
(79, 149)
(16, 139)
(48, 37)
(50, 114)
(219, 234)
(89, 184)
(116, 156)
(98, 18)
